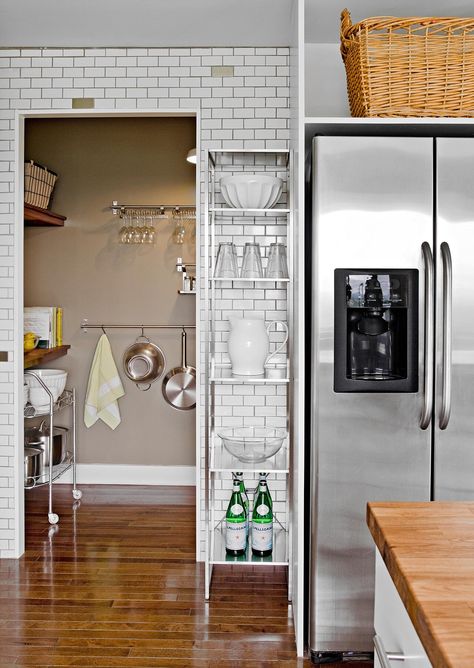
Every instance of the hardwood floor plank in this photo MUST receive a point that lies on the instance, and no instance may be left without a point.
(117, 585)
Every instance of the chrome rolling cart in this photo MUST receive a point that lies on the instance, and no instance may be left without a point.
(54, 472)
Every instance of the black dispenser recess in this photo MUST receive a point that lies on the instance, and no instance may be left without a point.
(376, 330)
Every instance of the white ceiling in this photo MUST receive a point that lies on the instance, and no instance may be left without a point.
(322, 17)
(145, 23)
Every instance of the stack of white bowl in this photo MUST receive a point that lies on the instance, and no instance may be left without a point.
(55, 381)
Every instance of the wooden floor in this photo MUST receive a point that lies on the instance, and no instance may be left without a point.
(117, 585)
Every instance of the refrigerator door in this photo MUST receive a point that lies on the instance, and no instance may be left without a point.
(454, 427)
(373, 205)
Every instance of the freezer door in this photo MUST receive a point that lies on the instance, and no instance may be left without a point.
(373, 205)
(454, 423)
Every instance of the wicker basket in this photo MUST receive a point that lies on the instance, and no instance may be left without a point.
(39, 184)
(409, 66)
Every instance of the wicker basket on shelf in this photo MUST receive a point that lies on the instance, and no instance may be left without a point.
(409, 66)
(39, 184)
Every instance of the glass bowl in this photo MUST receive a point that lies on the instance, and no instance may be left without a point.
(252, 444)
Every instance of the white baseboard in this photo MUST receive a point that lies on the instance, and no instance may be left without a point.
(119, 474)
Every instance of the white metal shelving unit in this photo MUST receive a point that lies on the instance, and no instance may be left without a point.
(54, 472)
(223, 223)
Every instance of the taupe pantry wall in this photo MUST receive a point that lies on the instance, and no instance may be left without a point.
(84, 269)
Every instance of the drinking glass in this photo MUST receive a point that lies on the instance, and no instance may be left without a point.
(226, 263)
(277, 266)
(252, 262)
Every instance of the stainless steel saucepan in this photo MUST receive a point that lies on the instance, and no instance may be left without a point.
(179, 384)
(38, 437)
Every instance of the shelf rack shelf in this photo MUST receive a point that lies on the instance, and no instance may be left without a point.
(223, 461)
(58, 471)
(66, 399)
(265, 226)
(36, 217)
(246, 281)
(40, 355)
(227, 211)
(273, 375)
(279, 556)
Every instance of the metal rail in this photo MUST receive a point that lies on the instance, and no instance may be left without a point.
(85, 326)
(155, 208)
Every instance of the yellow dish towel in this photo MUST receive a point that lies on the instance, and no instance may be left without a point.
(104, 388)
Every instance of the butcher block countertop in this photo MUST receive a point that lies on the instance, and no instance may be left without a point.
(428, 549)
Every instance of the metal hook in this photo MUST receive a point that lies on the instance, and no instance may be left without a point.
(143, 331)
(103, 329)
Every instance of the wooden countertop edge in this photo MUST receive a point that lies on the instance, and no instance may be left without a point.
(415, 610)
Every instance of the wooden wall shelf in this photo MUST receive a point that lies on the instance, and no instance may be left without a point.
(41, 355)
(35, 216)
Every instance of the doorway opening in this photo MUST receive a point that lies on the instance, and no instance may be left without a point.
(89, 270)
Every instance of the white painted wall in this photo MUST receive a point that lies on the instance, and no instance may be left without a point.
(325, 81)
(98, 23)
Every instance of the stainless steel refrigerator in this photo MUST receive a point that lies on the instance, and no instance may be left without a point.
(392, 356)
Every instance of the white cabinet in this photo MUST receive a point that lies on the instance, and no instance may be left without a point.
(396, 640)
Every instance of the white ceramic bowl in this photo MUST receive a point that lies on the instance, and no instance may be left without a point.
(55, 381)
(251, 191)
(252, 444)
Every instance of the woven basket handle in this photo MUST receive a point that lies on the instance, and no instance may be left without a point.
(346, 25)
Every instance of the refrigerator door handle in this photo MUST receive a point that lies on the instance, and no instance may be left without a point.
(427, 410)
(447, 335)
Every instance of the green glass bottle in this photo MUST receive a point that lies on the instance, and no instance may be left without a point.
(263, 477)
(236, 523)
(262, 521)
(245, 498)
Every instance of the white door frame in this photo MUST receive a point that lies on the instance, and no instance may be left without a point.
(20, 118)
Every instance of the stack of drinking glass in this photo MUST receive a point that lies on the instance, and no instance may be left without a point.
(226, 263)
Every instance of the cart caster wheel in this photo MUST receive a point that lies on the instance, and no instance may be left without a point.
(77, 494)
(53, 518)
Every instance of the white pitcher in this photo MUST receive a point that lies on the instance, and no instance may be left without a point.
(249, 345)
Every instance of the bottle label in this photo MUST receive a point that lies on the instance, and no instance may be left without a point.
(236, 535)
(262, 536)
(262, 509)
(236, 509)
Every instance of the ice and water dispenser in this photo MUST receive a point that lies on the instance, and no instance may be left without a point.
(376, 330)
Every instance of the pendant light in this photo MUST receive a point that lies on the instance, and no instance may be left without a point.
(191, 157)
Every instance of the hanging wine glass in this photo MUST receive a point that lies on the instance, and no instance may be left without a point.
(124, 229)
(136, 235)
(129, 234)
(151, 237)
(179, 230)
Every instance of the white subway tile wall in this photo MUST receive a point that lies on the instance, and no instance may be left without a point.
(247, 110)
